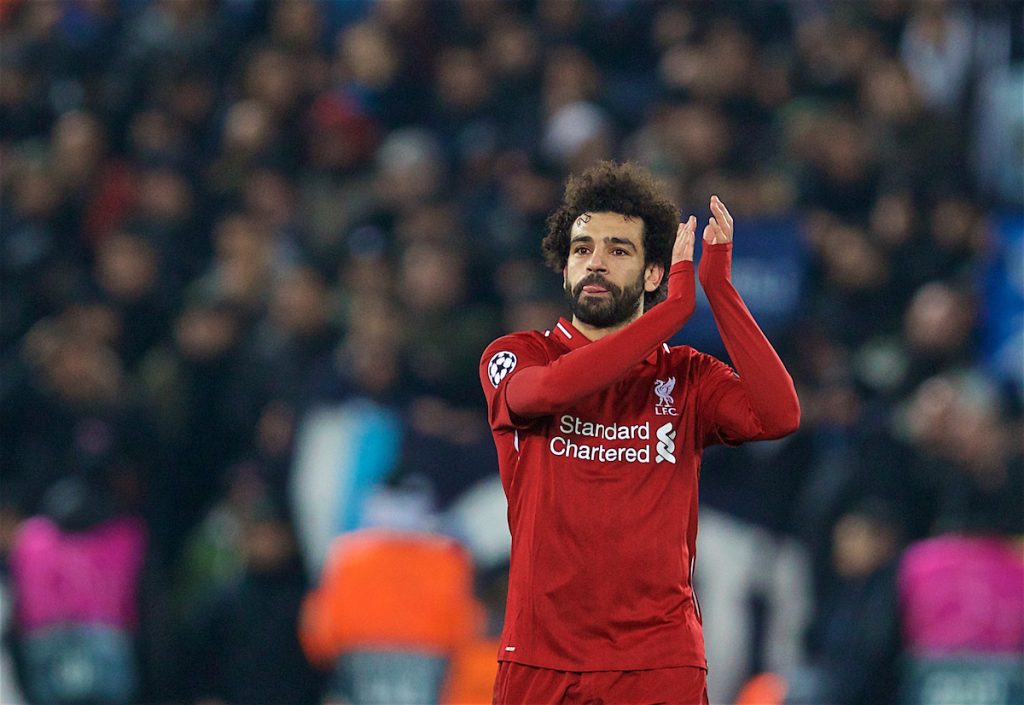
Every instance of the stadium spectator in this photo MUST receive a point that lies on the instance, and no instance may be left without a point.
(241, 643)
(393, 607)
(76, 570)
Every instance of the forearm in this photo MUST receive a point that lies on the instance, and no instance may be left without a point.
(542, 390)
(767, 385)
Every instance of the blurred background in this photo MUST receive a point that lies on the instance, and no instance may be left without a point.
(251, 252)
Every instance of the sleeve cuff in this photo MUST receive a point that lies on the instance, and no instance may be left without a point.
(716, 261)
(720, 247)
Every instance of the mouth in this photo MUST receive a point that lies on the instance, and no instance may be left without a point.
(594, 290)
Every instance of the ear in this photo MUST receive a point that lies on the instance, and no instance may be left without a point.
(653, 274)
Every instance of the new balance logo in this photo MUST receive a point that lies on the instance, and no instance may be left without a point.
(666, 444)
(663, 388)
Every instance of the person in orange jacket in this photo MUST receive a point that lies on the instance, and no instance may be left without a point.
(391, 610)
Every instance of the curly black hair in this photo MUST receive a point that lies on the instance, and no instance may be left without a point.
(627, 189)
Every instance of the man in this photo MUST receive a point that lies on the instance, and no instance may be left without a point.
(599, 427)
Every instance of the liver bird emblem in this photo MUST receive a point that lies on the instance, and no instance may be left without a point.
(663, 388)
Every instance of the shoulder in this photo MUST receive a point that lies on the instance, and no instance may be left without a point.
(684, 354)
(526, 342)
(514, 350)
(698, 365)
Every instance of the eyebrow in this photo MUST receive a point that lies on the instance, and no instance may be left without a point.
(613, 240)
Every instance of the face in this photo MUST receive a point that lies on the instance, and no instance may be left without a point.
(605, 275)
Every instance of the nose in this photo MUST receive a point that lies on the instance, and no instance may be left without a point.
(595, 263)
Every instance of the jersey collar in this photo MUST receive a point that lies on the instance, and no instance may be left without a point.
(566, 334)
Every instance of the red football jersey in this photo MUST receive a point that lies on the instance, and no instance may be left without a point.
(603, 508)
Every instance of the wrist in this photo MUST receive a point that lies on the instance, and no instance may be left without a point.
(680, 268)
(715, 261)
(680, 279)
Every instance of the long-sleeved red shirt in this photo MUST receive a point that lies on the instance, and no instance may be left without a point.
(599, 447)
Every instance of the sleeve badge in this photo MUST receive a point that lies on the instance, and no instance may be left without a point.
(500, 365)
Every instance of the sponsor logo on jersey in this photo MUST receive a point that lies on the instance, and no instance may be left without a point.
(666, 443)
(500, 365)
(575, 434)
(665, 405)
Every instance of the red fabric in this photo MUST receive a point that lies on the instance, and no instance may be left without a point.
(764, 405)
(111, 203)
(518, 685)
(545, 389)
(603, 489)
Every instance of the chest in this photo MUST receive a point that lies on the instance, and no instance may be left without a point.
(650, 394)
(644, 423)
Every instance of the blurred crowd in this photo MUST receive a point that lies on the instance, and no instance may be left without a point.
(251, 251)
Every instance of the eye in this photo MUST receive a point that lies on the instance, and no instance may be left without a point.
(618, 251)
(580, 250)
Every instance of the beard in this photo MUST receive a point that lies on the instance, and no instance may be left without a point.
(604, 311)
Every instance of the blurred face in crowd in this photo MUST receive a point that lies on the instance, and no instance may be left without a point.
(892, 219)
(248, 128)
(155, 132)
(165, 196)
(85, 372)
(410, 168)
(97, 321)
(844, 151)
(569, 77)
(269, 197)
(431, 278)
(34, 195)
(696, 135)
(370, 351)
(931, 412)
(205, 334)
(77, 148)
(267, 544)
(512, 48)
(960, 420)
(851, 261)
(462, 83)
(861, 545)
(192, 98)
(243, 255)
(938, 320)
(955, 225)
(272, 79)
(296, 23)
(299, 303)
(275, 429)
(889, 94)
(977, 439)
(367, 56)
(605, 276)
(126, 266)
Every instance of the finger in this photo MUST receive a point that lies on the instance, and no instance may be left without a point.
(689, 234)
(709, 232)
(721, 233)
(683, 247)
(685, 231)
(719, 206)
(690, 226)
(719, 209)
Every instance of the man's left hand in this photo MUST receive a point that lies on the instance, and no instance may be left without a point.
(719, 228)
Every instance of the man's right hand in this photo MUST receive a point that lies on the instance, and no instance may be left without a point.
(681, 284)
(686, 234)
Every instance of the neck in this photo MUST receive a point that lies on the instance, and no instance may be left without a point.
(593, 333)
